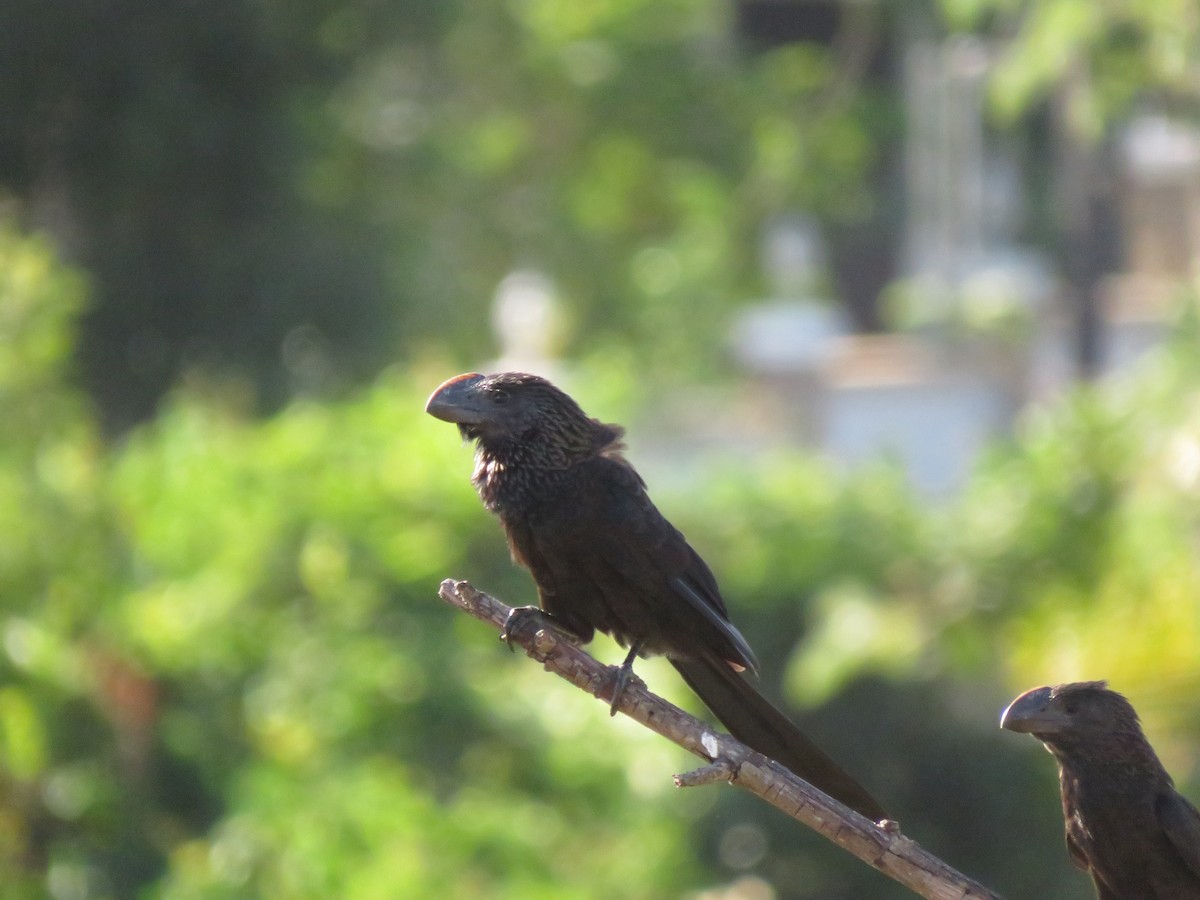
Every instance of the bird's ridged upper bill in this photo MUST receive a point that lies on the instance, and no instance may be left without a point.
(1031, 713)
(452, 401)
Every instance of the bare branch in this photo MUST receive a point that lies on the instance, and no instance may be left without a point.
(880, 845)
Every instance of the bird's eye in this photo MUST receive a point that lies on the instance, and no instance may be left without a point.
(499, 396)
(1071, 709)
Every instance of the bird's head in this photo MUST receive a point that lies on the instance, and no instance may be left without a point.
(512, 408)
(1065, 714)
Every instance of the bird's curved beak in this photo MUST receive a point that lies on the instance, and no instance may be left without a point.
(456, 400)
(1031, 713)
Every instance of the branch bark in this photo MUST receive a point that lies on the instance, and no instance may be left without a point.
(880, 845)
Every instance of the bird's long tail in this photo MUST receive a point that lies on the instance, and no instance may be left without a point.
(753, 720)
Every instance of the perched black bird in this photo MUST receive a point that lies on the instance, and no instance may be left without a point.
(1127, 826)
(577, 515)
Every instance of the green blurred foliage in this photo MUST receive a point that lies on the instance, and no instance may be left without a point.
(1112, 54)
(300, 193)
(630, 150)
(225, 672)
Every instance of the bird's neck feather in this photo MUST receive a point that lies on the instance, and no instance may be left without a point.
(1122, 764)
(510, 473)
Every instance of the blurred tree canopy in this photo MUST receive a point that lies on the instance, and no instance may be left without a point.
(301, 192)
(1113, 54)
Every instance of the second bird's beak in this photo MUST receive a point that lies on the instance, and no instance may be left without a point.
(456, 400)
(1031, 713)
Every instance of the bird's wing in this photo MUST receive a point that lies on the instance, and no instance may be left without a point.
(639, 534)
(1181, 824)
(605, 544)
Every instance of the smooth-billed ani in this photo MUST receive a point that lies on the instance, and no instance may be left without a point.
(578, 517)
(1126, 824)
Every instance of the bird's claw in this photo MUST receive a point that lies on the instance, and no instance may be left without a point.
(539, 620)
(620, 681)
(513, 621)
(623, 676)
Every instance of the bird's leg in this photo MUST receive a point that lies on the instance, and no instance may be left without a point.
(622, 677)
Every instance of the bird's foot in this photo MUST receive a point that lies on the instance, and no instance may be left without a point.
(534, 618)
(516, 616)
(622, 677)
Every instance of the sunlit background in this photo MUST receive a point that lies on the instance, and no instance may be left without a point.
(898, 302)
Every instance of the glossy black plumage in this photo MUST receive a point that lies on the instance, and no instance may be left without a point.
(577, 515)
(1126, 825)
